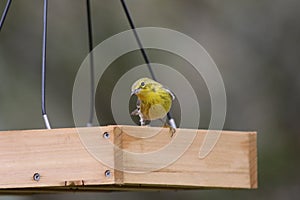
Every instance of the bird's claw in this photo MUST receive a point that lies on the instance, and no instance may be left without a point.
(172, 130)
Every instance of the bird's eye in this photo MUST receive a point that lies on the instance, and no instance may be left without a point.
(143, 84)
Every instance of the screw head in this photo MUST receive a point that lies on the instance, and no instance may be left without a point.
(36, 176)
(106, 135)
(107, 173)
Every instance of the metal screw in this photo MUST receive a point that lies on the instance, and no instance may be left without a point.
(106, 135)
(107, 173)
(36, 176)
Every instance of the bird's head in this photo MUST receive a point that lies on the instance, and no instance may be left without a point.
(142, 86)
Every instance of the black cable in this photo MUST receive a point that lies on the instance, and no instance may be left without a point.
(138, 39)
(5, 13)
(44, 114)
(170, 119)
(44, 57)
(90, 35)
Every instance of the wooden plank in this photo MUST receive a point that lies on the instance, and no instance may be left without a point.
(79, 157)
(253, 160)
(57, 155)
(231, 164)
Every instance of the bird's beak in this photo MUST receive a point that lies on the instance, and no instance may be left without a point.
(136, 91)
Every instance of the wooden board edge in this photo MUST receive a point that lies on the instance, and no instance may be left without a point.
(253, 160)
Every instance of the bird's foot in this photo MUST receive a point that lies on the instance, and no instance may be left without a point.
(171, 129)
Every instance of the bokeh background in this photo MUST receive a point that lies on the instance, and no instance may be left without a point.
(255, 45)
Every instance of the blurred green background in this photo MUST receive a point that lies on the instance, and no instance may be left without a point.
(255, 45)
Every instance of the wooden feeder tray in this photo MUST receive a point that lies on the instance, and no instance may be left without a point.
(57, 160)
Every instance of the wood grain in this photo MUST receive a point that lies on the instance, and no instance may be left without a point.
(79, 157)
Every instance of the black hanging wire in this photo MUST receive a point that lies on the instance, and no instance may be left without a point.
(44, 114)
(169, 116)
(4, 13)
(138, 39)
(92, 86)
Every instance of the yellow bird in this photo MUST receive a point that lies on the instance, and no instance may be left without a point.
(154, 100)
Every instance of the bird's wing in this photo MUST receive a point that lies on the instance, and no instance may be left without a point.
(171, 93)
